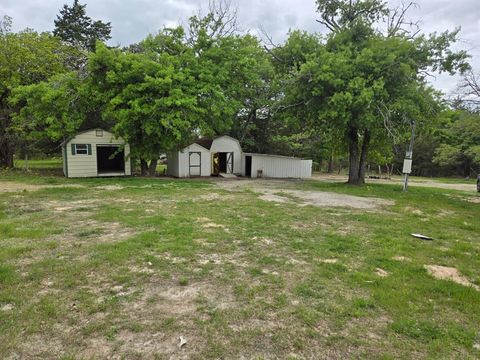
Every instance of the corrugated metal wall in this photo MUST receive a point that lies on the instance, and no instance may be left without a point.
(273, 166)
(306, 169)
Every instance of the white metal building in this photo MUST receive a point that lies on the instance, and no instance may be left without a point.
(223, 155)
(94, 153)
(276, 166)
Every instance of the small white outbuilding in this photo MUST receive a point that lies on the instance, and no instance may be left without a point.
(276, 166)
(206, 157)
(223, 155)
(96, 153)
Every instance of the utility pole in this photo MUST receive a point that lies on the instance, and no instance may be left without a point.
(407, 162)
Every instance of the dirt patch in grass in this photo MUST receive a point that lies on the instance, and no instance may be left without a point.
(7, 307)
(149, 345)
(78, 235)
(449, 273)
(401, 258)
(209, 197)
(168, 301)
(174, 299)
(66, 206)
(235, 258)
(326, 199)
(269, 191)
(412, 210)
(206, 223)
(10, 186)
(380, 272)
(329, 261)
(76, 216)
(109, 187)
(274, 198)
(150, 320)
(113, 232)
(475, 199)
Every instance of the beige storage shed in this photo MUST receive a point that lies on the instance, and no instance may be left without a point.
(96, 153)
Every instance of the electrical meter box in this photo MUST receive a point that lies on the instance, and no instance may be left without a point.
(407, 166)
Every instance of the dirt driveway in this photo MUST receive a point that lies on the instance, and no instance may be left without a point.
(398, 180)
(283, 191)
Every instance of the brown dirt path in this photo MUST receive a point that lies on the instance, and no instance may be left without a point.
(398, 180)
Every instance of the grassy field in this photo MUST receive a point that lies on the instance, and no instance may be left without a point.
(55, 163)
(101, 268)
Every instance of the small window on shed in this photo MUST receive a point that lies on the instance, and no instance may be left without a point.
(81, 149)
(99, 132)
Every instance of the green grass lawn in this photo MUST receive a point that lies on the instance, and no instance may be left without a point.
(99, 268)
(54, 163)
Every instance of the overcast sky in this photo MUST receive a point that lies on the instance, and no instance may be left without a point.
(132, 20)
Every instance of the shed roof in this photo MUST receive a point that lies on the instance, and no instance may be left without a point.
(273, 155)
(64, 142)
(205, 142)
(208, 142)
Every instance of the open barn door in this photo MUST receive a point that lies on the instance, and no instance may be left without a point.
(229, 163)
(222, 163)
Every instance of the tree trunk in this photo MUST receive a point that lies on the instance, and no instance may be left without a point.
(6, 156)
(7, 146)
(357, 157)
(362, 167)
(330, 163)
(143, 167)
(354, 158)
(152, 168)
(466, 169)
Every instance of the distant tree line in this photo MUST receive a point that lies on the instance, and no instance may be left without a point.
(346, 99)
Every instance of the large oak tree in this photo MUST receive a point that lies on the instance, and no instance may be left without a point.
(368, 83)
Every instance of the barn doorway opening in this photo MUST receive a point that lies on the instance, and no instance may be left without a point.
(248, 166)
(110, 159)
(222, 163)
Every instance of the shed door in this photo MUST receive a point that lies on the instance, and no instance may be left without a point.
(230, 163)
(195, 163)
